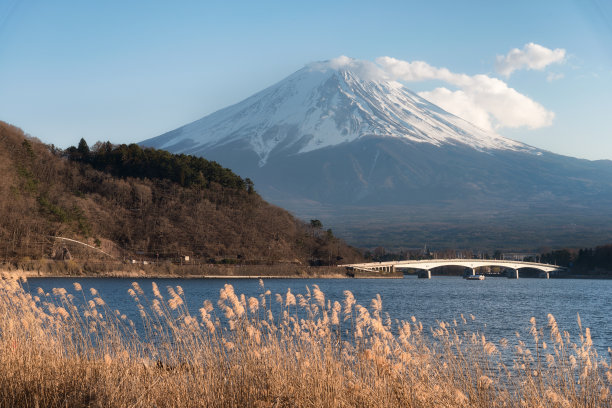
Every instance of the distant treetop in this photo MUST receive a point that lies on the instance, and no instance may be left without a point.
(134, 161)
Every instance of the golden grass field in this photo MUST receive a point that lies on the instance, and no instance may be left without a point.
(69, 349)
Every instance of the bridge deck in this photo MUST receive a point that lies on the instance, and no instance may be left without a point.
(428, 264)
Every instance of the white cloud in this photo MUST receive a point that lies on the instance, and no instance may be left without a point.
(487, 102)
(460, 104)
(365, 69)
(532, 56)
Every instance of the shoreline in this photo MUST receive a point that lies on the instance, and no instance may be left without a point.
(236, 272)
(141, 274)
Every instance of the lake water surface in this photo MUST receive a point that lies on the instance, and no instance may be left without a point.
(501, 306)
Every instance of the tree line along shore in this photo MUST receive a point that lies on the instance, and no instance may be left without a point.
(50, 269)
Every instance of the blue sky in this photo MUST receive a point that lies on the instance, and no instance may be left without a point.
(128, 71)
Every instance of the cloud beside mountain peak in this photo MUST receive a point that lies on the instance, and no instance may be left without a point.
(532, 56)
(487, 102)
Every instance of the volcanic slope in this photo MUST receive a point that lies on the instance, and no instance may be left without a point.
(382, 165)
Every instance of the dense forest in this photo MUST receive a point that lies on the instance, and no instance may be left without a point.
(134, 161)
(586, 260)
(126, 202)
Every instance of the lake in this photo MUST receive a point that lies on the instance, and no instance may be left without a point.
(501, 306)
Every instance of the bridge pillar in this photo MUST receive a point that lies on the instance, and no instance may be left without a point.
(514, 274)
(393, 268)
(546, 275)
(473, 271)
(428, 274)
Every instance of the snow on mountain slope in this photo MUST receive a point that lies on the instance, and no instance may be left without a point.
(326, 104)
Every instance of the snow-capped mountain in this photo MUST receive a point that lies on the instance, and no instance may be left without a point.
(340, 141)
(324, 105)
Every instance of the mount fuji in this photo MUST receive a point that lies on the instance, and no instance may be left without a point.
(340, 141)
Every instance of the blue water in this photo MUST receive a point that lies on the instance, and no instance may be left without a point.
(501, 306)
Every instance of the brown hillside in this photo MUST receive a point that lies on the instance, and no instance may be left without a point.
(45, 194)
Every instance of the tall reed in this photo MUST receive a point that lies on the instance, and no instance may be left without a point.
(68, 348)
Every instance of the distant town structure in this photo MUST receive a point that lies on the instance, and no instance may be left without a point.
(518, 256)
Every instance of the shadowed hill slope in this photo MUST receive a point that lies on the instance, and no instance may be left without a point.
(144, 203)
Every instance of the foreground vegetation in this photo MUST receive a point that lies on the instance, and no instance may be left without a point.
(68, 348)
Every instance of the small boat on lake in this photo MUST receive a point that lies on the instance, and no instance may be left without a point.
(474, 277)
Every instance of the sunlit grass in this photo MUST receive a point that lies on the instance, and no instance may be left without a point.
(68, 348)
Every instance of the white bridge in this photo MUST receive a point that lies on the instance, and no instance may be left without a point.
(425, 266)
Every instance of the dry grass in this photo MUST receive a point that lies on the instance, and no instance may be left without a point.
(49, 268)
(275, 350)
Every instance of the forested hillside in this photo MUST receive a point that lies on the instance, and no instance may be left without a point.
(132, 203)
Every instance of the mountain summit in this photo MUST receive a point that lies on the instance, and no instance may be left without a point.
(326, 104)
(340, 141)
